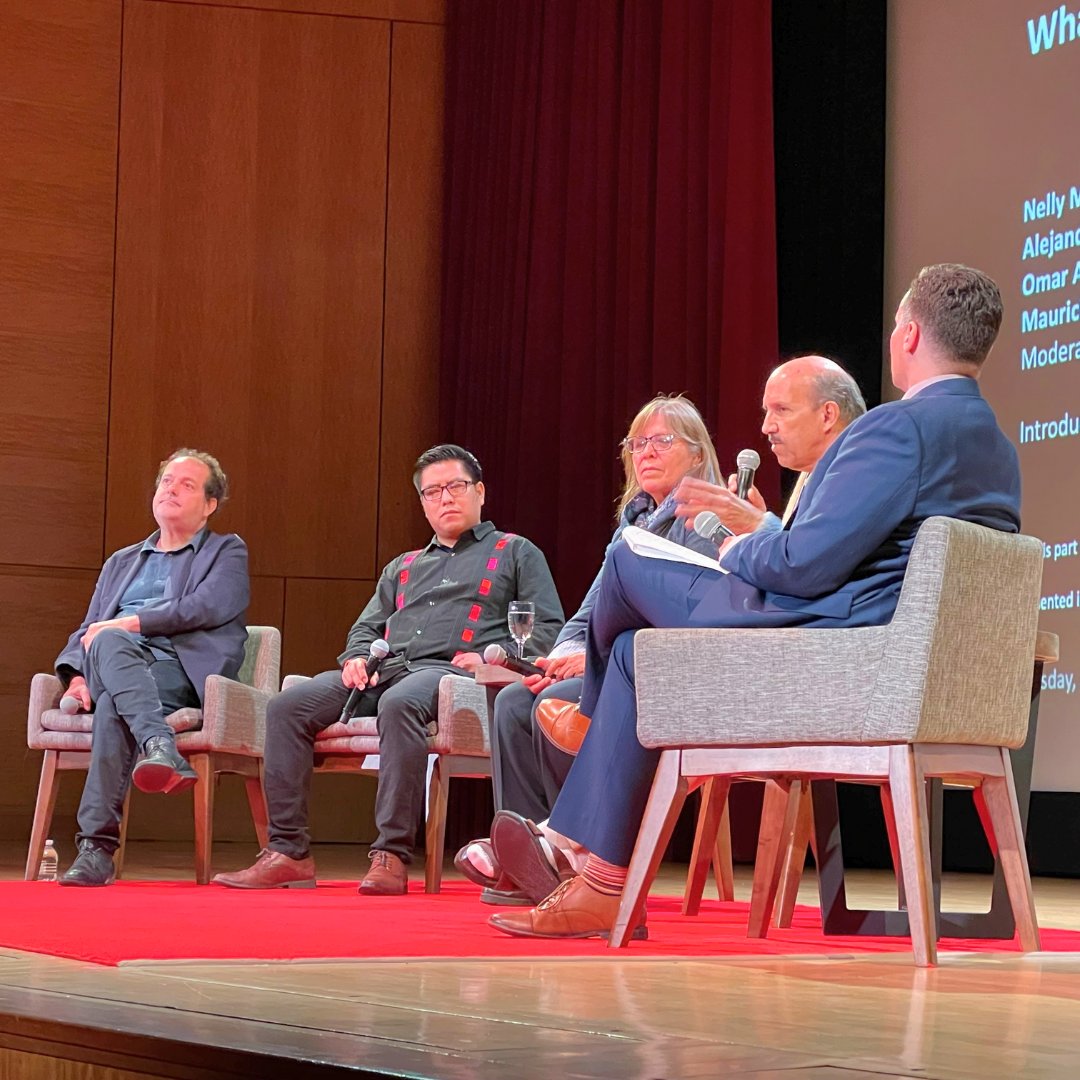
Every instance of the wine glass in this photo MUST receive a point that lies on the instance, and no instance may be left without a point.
(519, 616)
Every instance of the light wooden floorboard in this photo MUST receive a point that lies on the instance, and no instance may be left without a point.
(990, 1015)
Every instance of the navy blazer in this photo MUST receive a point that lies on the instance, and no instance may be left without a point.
(203, 613)
(841, 560)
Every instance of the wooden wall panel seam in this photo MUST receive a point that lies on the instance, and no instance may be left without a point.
(112, 320)
(386, 275)
(254, 5)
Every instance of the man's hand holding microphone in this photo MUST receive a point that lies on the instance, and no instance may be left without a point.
(361, 672)
(722, 513)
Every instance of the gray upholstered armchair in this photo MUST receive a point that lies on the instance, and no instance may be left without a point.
(225, 736)
(459, 748)
(941, 691)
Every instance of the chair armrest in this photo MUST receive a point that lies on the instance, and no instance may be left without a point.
(495, 675)
(755, 687)
(1047, 647)
(234, 716)
(463, 718)
(45, 693)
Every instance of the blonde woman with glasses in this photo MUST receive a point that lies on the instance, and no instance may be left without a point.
(667, 441)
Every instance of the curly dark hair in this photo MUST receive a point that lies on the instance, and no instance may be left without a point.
(217, 483)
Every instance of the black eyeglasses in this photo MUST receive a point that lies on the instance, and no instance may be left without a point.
(637, 444)
(456, 488)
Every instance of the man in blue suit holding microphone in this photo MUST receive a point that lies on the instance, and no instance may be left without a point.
(839, 562)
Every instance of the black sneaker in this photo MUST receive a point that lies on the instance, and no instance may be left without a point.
(163, 768)
(92, 867)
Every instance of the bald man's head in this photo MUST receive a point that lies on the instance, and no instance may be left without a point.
(808, 401)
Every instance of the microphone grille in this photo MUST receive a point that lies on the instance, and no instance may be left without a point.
(748, 459)
(706, 524)
(379, 649)
(69, 704)
(494, 654)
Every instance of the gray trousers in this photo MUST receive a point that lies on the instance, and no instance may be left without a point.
(404, 707)
(132, 694)
(527, 771)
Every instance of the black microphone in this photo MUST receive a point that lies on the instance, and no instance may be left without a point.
(747, 463)
(378, 651)
(496, 654)
(708, 525)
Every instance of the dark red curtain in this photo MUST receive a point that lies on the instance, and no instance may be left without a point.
(609, 234)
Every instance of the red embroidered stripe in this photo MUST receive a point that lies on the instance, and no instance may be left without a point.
(485, 586)
(403, 578)
(493, 564)
(466, 634)
(474, 613)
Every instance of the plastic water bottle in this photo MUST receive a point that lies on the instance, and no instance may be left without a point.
(50, 863)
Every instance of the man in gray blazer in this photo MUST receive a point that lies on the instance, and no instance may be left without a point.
(165, 613)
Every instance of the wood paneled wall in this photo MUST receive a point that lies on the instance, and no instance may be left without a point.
(220, 226)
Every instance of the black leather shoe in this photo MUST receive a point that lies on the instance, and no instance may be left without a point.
(522, 857)
(92, 867)
(163, 768)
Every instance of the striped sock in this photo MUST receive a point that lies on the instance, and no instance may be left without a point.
(603, 876)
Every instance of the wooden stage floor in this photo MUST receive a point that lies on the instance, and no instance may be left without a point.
(840, 1017)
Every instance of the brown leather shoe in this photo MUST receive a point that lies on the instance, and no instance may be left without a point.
(271, 870)
(387, 876)
(562, 723)
(574, 910)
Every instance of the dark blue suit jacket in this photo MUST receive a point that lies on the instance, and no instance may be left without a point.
(842, 559)
(203, 613)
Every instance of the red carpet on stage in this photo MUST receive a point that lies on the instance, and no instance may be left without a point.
(181, 921)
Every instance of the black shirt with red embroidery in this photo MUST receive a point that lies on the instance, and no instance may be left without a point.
(437, 602)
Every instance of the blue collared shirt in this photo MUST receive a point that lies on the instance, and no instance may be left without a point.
(153, 581)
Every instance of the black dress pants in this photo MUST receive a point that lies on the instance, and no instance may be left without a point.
(405, 706)
(132, 692)
(527, 770)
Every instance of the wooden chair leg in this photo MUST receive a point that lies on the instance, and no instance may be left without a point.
(778, 812)
(999, 798)
(44, 805)
(985, 819)
(118, 858)
(256, 797)
(894, 847)
(723, 864)
(204, 815)
(707, 839)
(908, 790)
(794, 858)
(435, 831)
(661, 813)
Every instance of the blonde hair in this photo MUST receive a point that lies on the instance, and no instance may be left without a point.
(683, 420)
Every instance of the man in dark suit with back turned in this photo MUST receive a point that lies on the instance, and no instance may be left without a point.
(165, 613)
(839, 562)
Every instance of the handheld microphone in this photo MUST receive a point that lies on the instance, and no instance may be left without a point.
(708, 525)
(378, 651)
(496, 654)
(70, 704)
(747, 463)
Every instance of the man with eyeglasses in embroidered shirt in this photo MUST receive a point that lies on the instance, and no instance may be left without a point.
(437, 609)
